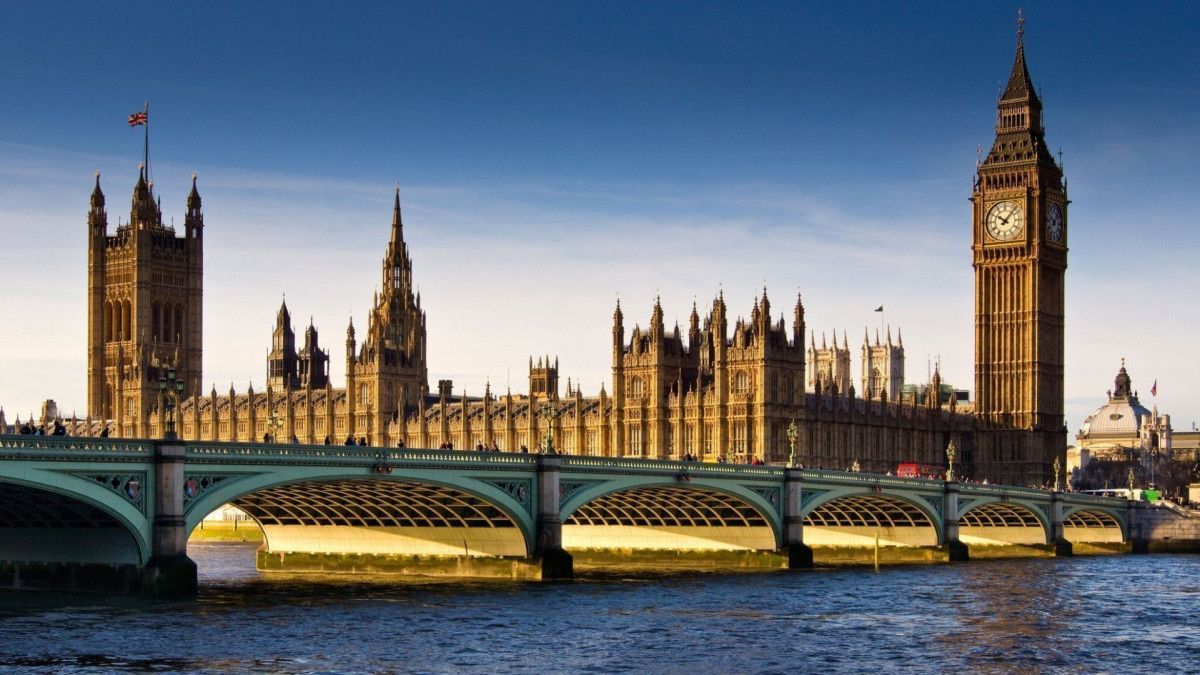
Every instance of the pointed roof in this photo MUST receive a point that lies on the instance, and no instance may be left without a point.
(1020, 86)
(97, 193)
(397, 223)
(193, 198)
(283, 318)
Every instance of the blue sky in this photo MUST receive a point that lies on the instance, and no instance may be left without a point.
(553, 156)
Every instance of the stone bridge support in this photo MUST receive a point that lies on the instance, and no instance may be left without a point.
(170, 570)
(799, 554)
(956, 550)
(1062, 547)
(555, 562)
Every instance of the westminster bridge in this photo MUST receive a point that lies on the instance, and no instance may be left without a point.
(111, 513)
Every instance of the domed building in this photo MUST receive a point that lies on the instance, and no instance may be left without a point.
(1124, 429)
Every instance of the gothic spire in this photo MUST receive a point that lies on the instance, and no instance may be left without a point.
(283, 318)
(97, 194)
(397, 224)
(1020, 86)
(193, 198)
(144, 212)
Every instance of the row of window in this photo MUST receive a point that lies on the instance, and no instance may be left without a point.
(166, 321)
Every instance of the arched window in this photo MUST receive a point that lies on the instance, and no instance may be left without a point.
(126, 321)
(108, 321)
(637, 387)
(364, 394)
(157, 321)
(177, 333)
(741, 382)
(739, 438)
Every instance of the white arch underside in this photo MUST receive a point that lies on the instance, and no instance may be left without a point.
(856, 520)
(381, 517)
(1000, 524)
(1092, 527)
(676, 518)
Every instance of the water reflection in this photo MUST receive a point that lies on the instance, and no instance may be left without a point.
(1083, 614)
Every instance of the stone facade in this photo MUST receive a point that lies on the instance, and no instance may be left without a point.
(145, 286)
(883, 367)
(722, 387)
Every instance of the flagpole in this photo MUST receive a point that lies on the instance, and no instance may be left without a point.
(146, 142)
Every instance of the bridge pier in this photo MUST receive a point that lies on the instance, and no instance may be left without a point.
(1139, 542)
(799, 555)
(548, 553)
(955, 548)
(1062, 547)
(170, 570)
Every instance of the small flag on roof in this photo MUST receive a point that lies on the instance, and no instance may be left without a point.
(139, 118)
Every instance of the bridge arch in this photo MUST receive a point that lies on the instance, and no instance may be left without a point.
(72, 520)
(853, 518)
(653, 513)
(1000, 522)
(1083, 525)
(358, 512)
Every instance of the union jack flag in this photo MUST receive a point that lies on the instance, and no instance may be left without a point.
(137, 119)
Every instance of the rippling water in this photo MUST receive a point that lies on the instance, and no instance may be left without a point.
(1115, 614)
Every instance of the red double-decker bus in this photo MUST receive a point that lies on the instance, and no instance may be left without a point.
(914, 470)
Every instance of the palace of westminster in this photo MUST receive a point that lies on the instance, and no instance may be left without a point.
(718, 387)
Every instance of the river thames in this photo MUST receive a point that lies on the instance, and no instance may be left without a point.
(1086, 614)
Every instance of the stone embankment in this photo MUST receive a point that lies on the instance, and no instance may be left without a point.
(1164, 527)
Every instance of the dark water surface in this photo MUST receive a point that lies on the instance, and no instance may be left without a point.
(1115, 614)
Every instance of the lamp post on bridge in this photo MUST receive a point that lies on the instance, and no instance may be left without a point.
(951, 453)
(551, 413)
(273, 424)
(792, 434)
(1058, 474)
(170, 388)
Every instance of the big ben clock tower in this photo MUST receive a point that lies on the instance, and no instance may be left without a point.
(1020, 258)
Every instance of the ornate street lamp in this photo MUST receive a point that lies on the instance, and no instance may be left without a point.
(1058, 474)
(170, 389)
(855, 467)
(551, 413)
(274, 424)
(1131, 483)
(951, 453)
(792, 434)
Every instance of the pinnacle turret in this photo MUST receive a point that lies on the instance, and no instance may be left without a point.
(283, 318)
(193, 198)
(97, 194)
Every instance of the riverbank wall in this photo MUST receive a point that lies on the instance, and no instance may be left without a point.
(1164, 527)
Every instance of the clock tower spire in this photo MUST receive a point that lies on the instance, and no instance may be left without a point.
(1020, 258)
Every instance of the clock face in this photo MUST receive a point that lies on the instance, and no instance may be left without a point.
(1054, 222)
(1005, 220)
